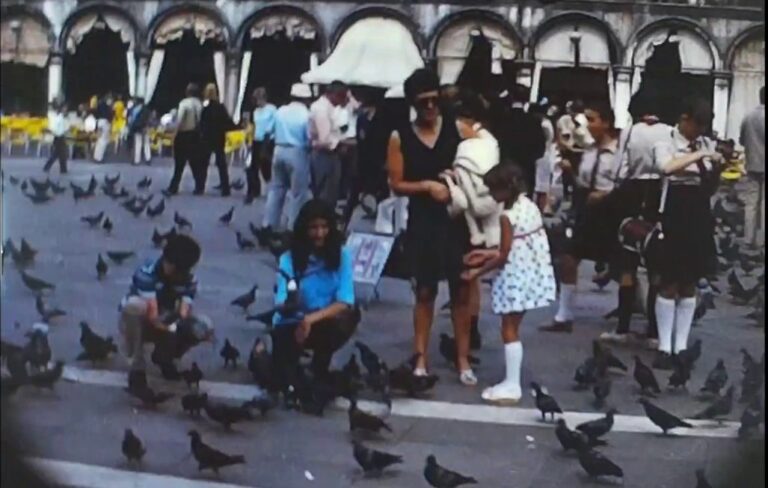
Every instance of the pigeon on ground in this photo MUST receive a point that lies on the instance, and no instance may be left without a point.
(40, 186)
(587, 372)
(597, 465)
(370, 359)
(681, 374)
(193, 403)
(107, 225)
(746, 360)
(701, 479)
(38, 198)
(244, 244)
(605, 357)
(403, 379)
(182, 222)
(47, 378)
(716, 380)
(751, 418)
(601, 390)
(144, 183)
(752, 381)
(209, 458)
(237, 185)
(79, 193)
(118, 257)
(149, 397)
(95, 347)
(360, 420)
(545, 403)
(226, 219)
(246, 299)
(226, 415)
(440, 477)
(37, 351)
(596, 429)
(260, 366)
(691, 355)
(663, 419)
(13, 180)
(192, 376)
(371, 461)
(572, 440)
(157, 210)
(135, 208)
(35, 284)
(449, 352)
(645, 377)
(111, 181)
(47, 314)
(721, 407)
(133, 449)
(229, 353)
(93, 220)
(263, 404)
(101, 267)
(27, 252)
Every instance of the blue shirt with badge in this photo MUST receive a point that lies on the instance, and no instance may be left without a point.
(319, 286)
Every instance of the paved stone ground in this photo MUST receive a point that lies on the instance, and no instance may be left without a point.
(84, 423)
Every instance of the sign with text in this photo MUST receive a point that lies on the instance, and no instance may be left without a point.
(369, 254)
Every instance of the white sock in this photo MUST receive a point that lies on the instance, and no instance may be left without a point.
(513, 352)
(665, 319)
(683, 320)
(565, 303)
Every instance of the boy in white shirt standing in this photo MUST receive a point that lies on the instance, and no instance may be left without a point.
(58, 125)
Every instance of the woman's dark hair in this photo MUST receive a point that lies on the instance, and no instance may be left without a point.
(182, 251)
(471, 106)
(699, 110)
(301, 247)
(644, 102)
(506, 176)
(422, 80)
(193, 90)
(604, 110)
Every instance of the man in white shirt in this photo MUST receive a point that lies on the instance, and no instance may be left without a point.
(325, 137)
(186, 144)
(58, 125)
(753, 140)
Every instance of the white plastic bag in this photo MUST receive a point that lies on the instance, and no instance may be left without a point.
(392, 216)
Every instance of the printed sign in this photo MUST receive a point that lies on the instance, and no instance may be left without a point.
(369, 254)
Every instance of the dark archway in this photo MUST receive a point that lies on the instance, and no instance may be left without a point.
(560, 85)
(23, 88)
(96, 67)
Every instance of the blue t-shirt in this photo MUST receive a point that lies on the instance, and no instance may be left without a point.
(264, 122)
(148, 282)
(319, 286)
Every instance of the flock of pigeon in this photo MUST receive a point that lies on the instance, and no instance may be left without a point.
(29, 364)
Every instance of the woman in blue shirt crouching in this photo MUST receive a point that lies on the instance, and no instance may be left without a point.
(315, 294)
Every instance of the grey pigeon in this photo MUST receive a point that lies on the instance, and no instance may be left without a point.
(596, 429)
(229, 353)
(645, 377)
(371, 461)
(716, 380)
(182, 222)
(118, 257)
(93, 220)
(721, 407)
(440, 477)
(573, 440)
(35, 284)
(47, 314)
(227, 217)
(209, 458)
(663, 419)
(545, 403)
(597, 465)
(101, 267)
(133, 449)
(751, 418)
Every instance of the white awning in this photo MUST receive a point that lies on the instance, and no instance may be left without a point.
(695, 53)
(293, 26)
(99, 21)
(557, 47)
(374, 51)
(24, 40)
(204, 28)
(455, 42)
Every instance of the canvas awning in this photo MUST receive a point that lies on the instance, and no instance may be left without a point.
(374, 51)
(292, 25)
(24, 40)
(86, 23)
(695, 53)
(204, 28)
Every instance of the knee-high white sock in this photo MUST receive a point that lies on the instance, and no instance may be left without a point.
(513, 353)
(665, 319)
(683, 320)
(565, 304)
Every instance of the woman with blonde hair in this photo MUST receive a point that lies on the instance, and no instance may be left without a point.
(215, 122)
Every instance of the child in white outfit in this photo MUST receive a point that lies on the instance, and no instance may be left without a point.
(526, 280)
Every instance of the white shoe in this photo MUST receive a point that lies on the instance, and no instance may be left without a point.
(614, 337)
(420, 372)
(468, 378)
(506, 393)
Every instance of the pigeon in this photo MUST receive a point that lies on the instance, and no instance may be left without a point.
(402, 378)
(225, 414)
(243, 243)
(597, 465)
(449, 352)
(39, 187)
(371, 461)
(681, 374)
(47, 378)
(716, 380)
(35, 284)
(47, 314)
(135, 208)
(192, 376)
(706, 302)
(13, 180)
(263, 404)
(260, 366)
(27, 252)
(107, 225)
(587, 373)
(118, 257)
(605, 357)
(545, 403)
(595, 429)
(572, 440)
(691, 355)
(226, 219)
(38, 198)
(721, 407)
(229, 353)
(237, 185)
(310, 397)
(440, 477)
(645, 377)
(193, 403)
(210, 458)
(751, 418)
(159, 239)
(370, 359)
(101, 268)
(352, 369)
(24, 185)
(133, 449)
(144, 183)
(663, 419)
(157, 210)
(752, 381)
(701, 479)
(149, 397)
(95, 347)
(79, 193)
(747, 360)
(601, 390)
(93, 220)
(182, 222)
(247, 299)
(111, 181)
(359, 420)
(38, 351)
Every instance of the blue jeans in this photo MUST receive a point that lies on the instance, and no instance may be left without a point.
(326, 176)
(290, 174)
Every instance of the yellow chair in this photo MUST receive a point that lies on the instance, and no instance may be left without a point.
(234, 144)
(17, 133)
(37, 132)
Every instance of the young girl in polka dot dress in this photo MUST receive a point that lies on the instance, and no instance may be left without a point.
(526, 280)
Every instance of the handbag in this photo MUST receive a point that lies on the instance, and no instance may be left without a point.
(642, 237)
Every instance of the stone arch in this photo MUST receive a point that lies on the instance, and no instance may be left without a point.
(673, 22)
(472, 14)
(279, 9)
(745, 60)
(747, 35)
(615, 48)
(8, 12)
(102, 7)
(195, 7)
(376, 11)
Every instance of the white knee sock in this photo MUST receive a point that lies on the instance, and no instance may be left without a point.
(513, 353)
(565, 304)
(665, 319)
(683, 320)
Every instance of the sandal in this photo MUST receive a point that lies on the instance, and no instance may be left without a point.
(468, 378)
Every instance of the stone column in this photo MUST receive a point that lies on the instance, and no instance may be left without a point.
(720, 101)
(622, 76)
(524, 72)
(55, 75)
(233, 80)
(141, 73)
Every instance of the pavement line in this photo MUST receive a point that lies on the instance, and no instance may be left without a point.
(77, 475)
(431, 409)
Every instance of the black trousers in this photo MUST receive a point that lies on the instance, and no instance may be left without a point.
(186, 150)
(60, 151)
(324, 340)
(261, 162)
(217, 149)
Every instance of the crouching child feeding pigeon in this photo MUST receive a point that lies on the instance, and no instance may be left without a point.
(158, 309)
(526, 280)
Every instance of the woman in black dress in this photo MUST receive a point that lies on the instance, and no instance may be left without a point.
(214, 125)
(690, 165)
(418, 152)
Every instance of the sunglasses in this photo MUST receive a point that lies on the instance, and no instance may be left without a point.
(426, 102)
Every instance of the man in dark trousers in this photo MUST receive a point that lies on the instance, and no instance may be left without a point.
(58, 125)
(186, 145)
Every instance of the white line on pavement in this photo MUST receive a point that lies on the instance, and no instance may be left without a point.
(430, 409)
(77, 475)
